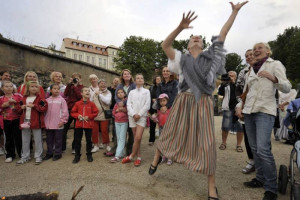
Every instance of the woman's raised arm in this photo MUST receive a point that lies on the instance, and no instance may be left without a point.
(225, 29)
(184, 24)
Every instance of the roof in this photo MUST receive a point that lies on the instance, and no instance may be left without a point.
(86, 46)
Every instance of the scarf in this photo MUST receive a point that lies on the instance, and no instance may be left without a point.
(200, 73)
(258, 65)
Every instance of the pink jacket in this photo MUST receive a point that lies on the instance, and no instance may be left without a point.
(57, 112)
(120, 117)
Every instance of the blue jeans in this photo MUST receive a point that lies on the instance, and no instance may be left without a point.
(228, 123)
(121, 130)
(259, 128)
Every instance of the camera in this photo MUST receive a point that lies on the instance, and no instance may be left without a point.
(225, 78)
(75, 80)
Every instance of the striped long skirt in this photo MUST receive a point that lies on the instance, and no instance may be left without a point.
(188, 135)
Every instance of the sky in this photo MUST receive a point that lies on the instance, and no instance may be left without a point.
(110, 22)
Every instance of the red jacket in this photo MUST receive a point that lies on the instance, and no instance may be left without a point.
(89, 109)
(37, 112)
(72, 94)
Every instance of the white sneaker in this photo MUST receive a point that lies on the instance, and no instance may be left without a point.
(101, 146)
(95, 149)
(73, 151)
(21, 162)
(108, 148)
(8, 160)
(2, 151)
(38, 161)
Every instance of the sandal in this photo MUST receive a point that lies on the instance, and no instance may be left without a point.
(239, 149)
(222, 146)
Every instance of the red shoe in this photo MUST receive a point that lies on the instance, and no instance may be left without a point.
(126, 160)
(137, 162)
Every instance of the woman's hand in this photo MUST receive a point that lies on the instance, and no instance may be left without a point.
(23, 107)
(265, 74)
(186, 20)
(238, 113)
(237, 6)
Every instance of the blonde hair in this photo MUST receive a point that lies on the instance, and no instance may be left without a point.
(6, 82)
(30, 72)
(53, 74)
(269, 53)
(93, 76)
(27, 93)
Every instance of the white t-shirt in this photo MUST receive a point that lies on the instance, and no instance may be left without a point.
(28, 109)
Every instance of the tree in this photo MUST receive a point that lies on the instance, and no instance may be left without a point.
(138, 55)
(52, 46)
(286, 49)
(234, 63)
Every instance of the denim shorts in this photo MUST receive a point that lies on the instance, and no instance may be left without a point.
(228, 124)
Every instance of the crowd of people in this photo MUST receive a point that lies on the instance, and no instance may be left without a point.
(181, 107)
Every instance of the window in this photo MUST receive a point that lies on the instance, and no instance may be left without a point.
(113, 53)
(93, 60)
(88, 59)
(104, 62)
(74, 43)
(85, 45)
(90, 46)
(100, 61)
(80, 45)
(98, 48)
(75, 56)
(80, 57)
(103, 50)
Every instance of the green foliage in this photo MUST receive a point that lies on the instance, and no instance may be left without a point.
(286, 49)
(234, 63)
(138, 55)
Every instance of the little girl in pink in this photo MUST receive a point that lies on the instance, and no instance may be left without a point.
(161, 118)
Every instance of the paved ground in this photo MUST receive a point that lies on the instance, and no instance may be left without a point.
(104, 180)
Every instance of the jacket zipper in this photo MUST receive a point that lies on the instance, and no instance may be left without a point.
(83, 115)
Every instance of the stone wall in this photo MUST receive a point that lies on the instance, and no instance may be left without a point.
(19, 59)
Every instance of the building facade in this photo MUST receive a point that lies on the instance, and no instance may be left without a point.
(95, 54)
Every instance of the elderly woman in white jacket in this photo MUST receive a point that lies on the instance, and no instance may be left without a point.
(259, 110)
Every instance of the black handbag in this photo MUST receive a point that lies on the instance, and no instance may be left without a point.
(107, 113)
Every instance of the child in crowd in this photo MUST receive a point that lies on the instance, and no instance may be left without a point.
(138, 104)
(161, 118)
(55, 118)
(121, 124)
(84, 111)
(11, 120)
(32, 109)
